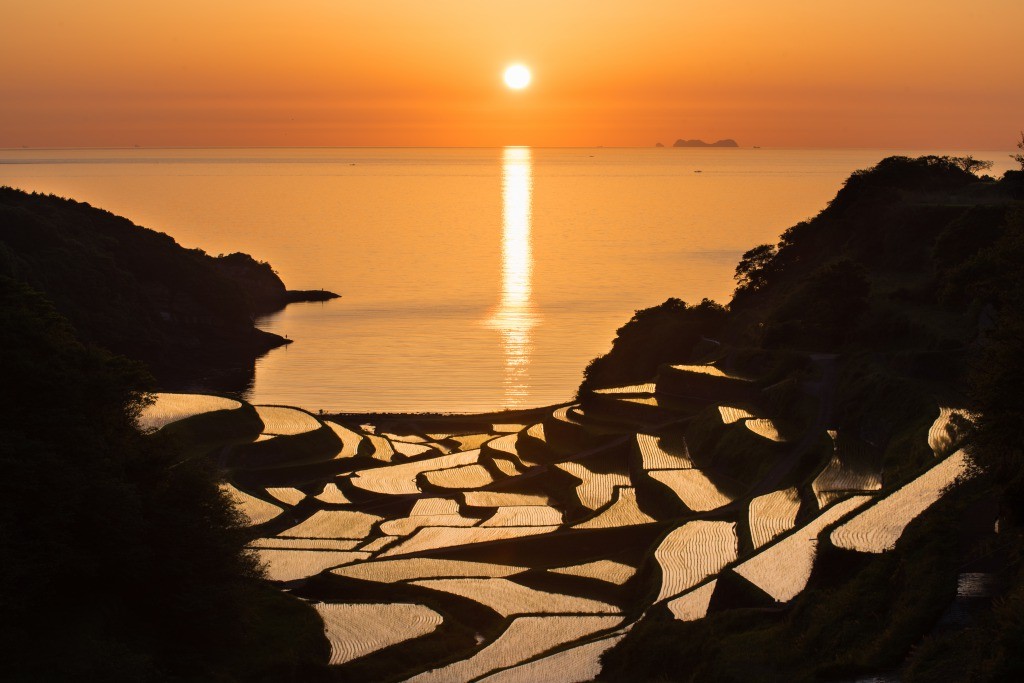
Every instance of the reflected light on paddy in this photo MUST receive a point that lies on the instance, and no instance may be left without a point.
(515, 316)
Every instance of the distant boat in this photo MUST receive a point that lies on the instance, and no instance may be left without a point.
(698, 171)
(756, 147)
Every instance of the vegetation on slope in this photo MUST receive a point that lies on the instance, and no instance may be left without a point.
(136, 291)
(666, 333)
(912, 277)
(120, 561)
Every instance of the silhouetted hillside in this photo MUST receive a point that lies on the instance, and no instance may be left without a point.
(121, 562)
(905, 260)
(136, 291)
(909, 285)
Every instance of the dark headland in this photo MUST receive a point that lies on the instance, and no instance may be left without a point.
(187, 315)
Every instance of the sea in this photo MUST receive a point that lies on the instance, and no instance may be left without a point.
(471, 279)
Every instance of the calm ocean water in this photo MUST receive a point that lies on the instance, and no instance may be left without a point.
(472, 279)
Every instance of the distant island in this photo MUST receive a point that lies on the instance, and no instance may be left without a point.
(728, 142)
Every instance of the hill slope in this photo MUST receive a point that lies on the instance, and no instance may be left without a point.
(136, 291)
(121, 562)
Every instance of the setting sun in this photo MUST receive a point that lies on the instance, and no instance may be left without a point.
(517, 77)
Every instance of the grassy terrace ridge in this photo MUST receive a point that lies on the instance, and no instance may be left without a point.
(699, 510)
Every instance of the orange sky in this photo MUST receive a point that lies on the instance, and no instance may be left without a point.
(783, 73)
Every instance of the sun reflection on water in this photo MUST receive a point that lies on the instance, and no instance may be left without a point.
(515, 316)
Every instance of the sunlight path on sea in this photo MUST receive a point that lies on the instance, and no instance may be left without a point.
(515, 317)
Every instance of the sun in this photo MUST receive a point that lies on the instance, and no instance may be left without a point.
(517, 77)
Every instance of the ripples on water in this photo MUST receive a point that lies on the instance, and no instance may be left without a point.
(473, 279)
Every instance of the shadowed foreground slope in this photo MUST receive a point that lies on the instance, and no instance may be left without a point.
(120, 563)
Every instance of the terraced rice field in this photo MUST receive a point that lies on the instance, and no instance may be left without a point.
(648, 388)
(381, 448)
(350, 440)
(306, 543)
(574, 665)
(656, 454)
(710, 370)
(507, 597)
(693, 488)
(168, 408)
(332, 495)
(602, 570)
(431, 538)
(841, 476)
(374, 524)
(836, 478)
(782, 570)
(623, 512)
(378, 543)
(505, 444)
(507, 427)
(595, 490)
(393, 571)
(494, 499)
(975, 585)
(253, 509)
(408, 525)
(693, 552)
(460, 478)
(401, 478)
(732, 414)
(943, 433)
(281, 421)
(525, 637)
(879, 527)
(693, 604)
(639, 400)
(536, 431)
(772, 514)
(334, 524)
(403, 438)
(355, 630)
(290, 565)
(411, 450)
(434, 506)
(470, 441)
(765, 428)
(563, 415)
(525, 515)
(287, 496)
(506, 467)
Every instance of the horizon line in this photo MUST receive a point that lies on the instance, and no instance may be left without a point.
(653, 146)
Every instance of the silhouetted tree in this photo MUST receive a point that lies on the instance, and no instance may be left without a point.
(1019, 158)
(752, 267)
(970, 164)
(666, 333)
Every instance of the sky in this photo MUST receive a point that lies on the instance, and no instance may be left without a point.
(908, 74)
